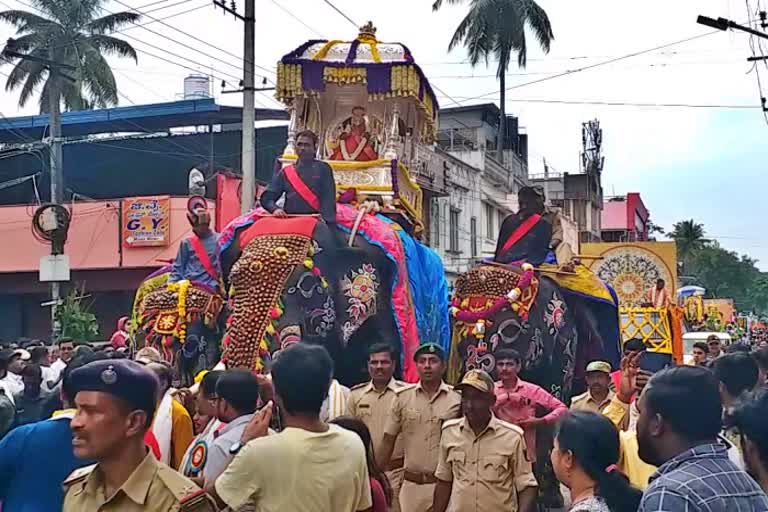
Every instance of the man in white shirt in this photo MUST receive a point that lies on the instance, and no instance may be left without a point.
(66, 346)
(310, 465)
(11, 379)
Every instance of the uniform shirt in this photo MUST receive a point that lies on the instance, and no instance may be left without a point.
(194, 464)
(487, 470)
(218, 454)
(372, 408)
(520, 403)
(34, 460)
(318, 176)
(585, 402)
(188, 266)
(152, 487)
(702, 479)
(418, 419)
(299, 471)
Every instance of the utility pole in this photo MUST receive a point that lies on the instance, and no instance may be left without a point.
(248, 159)
(248, 155)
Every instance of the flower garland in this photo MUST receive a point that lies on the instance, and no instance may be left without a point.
(181, 288)
(460, 310)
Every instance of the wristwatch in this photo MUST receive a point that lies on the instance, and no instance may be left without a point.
(235, 448)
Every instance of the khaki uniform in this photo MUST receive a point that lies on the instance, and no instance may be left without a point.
(373, 407)
(585, 402)
(152, 487)
(488, 470)
(418, 420)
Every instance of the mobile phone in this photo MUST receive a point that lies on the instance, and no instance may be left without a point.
(653, 362)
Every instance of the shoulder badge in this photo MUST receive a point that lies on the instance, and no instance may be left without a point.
(511, 426)
(452, 423)
(190, 496)
(405, 387)
(399, 383)
(359, 386)
(580, 397)
(78, 476)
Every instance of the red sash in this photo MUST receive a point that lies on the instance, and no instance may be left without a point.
(202, 255)
(300, 187)
(520, 231)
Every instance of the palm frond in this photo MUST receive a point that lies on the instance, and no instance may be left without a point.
(439, 3)
(539, 22)
(112, 22)
(24, 21)
(112, 45)
(36, 75)
(97, 77)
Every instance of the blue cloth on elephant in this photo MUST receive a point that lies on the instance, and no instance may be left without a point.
(428, 287)
(188, 266)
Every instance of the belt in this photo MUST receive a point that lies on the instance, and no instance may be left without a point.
(419, 477)
(394, 464)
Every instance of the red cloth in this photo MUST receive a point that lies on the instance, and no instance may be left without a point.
(377, 497)
(151, 441)
(517, 404)
(268, 225)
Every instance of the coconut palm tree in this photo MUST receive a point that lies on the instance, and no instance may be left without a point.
(496, 29)
(689, 236)
(72, 33)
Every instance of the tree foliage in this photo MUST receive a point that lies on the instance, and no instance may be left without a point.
(76, 319)
(73, 33)
(724, 273)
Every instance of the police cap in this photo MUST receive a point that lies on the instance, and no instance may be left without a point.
(125, 379)
(430, 348)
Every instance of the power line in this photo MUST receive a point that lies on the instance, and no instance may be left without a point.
(599, 64)
(629, 104)
(342, 13)
(289, 13)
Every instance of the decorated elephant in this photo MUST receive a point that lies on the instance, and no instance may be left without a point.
(297, 279)
(181, 320)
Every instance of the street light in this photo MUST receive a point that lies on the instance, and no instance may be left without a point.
(725, 24)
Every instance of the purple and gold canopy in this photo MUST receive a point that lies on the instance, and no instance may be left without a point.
(386, 69)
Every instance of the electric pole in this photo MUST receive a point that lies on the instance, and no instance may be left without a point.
(57, 177)
(248, 154)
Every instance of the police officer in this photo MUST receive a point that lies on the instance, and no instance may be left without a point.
(371, 403)
(116, 401)
(598, 394)
(482, 463)
(417, 414)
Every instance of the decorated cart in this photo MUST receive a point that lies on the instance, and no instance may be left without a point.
(372, 107)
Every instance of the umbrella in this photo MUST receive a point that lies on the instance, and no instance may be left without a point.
(687, 291)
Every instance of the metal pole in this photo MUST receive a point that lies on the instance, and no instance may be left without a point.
(57, 181)
(248, 189)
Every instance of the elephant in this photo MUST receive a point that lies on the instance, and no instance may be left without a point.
(300, 282)
(191, 345)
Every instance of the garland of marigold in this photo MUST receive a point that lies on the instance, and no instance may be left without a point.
(181, 288)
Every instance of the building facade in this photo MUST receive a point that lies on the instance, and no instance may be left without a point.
(624, 219)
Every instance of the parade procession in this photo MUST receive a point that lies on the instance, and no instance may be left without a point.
(353, 291)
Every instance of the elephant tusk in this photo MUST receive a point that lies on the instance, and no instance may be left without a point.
(367, 207)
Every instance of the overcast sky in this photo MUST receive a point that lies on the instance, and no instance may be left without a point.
(700, 163)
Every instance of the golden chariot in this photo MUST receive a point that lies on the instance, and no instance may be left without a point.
(372, 107)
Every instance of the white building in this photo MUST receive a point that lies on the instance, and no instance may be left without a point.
(481, 192)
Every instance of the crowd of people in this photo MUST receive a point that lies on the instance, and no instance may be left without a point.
(90, 428)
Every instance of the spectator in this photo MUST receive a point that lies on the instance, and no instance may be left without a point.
(699, 354)
(206, 398)
(381, 491)
(739, 347)
(7, 413)
(172, 425)
(480, 452)
(30, 403)
(237, 397)
(518, 401)
(12, 380)
(736, 374)
(631, 347)
(715, 350)
(598, 394)
(761, 358)
(584, 458)
(749, 418)
(680, 418)
(119, 338)
(7, 384)
(632, 383)
(324, 464)
(40, 356)
(116, 401)
(148, 355)
(336, 402)
(36, 458)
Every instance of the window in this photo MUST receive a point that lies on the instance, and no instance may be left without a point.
(490, 233)
(473, 235)
(453, 226)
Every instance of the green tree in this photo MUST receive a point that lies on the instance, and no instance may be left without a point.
(689, 237)
(496, 29)
(75, 317)
(73, 33)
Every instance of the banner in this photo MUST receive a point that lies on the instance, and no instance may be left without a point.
(146, 221)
